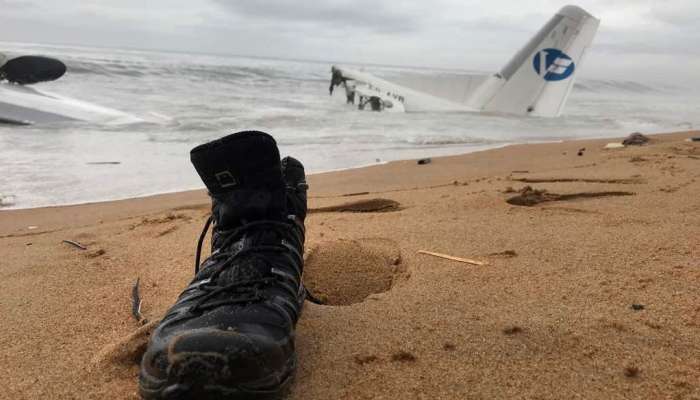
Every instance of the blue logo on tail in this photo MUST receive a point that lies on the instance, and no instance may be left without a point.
(553, 65)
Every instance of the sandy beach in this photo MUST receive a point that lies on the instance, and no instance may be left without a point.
(589, 289)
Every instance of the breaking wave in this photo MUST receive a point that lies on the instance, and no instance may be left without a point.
(232, 73)
(225, 73)
(599, 86)
(469, 140)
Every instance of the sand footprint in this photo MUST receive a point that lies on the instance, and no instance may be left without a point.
(345, 272)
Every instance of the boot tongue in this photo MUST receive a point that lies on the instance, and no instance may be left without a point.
(243, 174)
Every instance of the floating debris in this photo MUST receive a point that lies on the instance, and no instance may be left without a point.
(104, 163)
(7, 200)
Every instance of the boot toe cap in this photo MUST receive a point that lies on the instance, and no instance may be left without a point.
(225, 357)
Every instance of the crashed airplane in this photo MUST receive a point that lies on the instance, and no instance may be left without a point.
(536, 81)
(24, 105)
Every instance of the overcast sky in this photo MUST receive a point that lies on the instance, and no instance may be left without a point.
(639, 40)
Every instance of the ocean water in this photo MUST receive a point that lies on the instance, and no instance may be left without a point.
(189, 99)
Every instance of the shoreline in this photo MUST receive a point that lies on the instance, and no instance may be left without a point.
(149, 203)
(477, 148)
(183, 190)
(176, 191)
(590, 291)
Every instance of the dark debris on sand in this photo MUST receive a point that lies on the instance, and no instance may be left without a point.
(403, 356)
(505, 254)
(370, 205)
(96, 253)
(631, 371)
(635, 139)
(449, 347)
(362, 360)
(529, 197)
(512, 330)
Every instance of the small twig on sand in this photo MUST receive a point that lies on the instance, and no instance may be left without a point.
(76, 244)
(355, 194)
(453, 258)
(136, 301)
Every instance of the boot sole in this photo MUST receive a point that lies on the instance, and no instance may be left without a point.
(177, 387)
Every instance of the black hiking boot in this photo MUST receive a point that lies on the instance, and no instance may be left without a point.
(230, 335)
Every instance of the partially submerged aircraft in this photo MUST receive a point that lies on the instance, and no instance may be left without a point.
(536, 81)
(23, 105)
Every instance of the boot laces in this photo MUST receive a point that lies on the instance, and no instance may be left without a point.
(247, 290)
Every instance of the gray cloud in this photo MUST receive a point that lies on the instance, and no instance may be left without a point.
(679, 14)
(368, 15)
(636, 38)
(15, 4)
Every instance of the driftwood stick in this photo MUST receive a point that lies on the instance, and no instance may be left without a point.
(76, 244)
(453, 258)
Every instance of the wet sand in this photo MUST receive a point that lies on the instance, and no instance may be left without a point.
(590, 288)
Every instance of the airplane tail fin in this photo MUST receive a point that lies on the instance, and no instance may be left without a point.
(538, 79)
